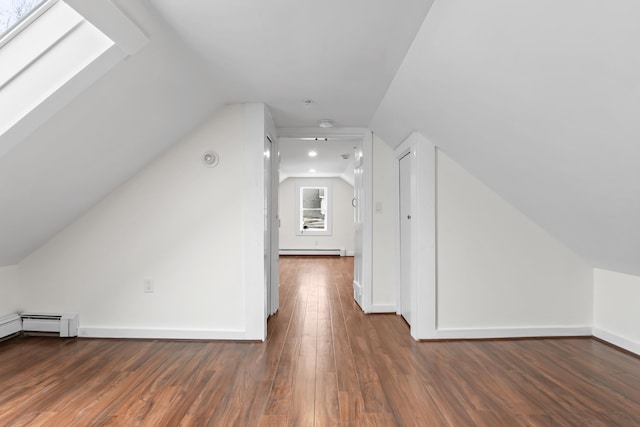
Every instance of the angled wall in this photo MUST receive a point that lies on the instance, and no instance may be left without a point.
(9, 290)
(616, 312)
(177, 223)
(500, 274)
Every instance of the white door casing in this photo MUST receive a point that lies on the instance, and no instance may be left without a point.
(359, 228)
(422, 263)
(405, 236)
(274, 303)
(267, 224)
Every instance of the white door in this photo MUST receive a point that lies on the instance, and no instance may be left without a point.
(358, 188)
(267, 225)
(274, 296)
(405, 237)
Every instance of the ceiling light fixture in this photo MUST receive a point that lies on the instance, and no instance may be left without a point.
(313, 152)
(312, 170)
(325, 123)
(313, 139)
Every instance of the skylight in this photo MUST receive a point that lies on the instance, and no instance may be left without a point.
(12, 12)
(50, 53)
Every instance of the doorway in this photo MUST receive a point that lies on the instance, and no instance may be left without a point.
(302, 159)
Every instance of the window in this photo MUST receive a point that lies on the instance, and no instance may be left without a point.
(52, 54)
(12, 12)
(313, 209)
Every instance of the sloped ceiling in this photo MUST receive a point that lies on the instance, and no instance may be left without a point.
(340, 54)
(102, 137)
(540, 100)
(201, 54)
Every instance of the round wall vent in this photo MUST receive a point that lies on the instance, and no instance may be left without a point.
(210, 159)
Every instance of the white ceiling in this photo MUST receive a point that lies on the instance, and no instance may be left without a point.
(340, 54)
(541, 101)
(296, 162)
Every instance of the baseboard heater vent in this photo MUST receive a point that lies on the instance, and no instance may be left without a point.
(338, 252)
(65, 324)
(10, 325)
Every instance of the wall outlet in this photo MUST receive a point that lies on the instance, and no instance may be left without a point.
(148, 285)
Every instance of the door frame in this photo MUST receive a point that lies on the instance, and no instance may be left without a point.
(258, 124)
(273, 293)
(423, 230)
(367, 236)
(400, 308)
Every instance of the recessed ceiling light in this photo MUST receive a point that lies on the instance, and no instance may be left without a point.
(313, 152)
(312, 170)
(325, 123)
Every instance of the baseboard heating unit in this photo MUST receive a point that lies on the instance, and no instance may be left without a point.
(10, 325)
(65, 324)
(338, 252)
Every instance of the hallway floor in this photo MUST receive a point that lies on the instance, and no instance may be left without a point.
(325, 363)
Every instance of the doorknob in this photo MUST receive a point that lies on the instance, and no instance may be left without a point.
(354, 202)
(408, 216)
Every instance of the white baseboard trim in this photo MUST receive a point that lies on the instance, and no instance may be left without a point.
(382, 308)
(176, 334)
(10, 325)
(573, 331)
(312, 251)
(617, 340)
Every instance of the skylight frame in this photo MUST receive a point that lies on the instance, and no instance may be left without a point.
(26, 20)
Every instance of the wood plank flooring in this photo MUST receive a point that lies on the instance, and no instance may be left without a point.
(324, 364)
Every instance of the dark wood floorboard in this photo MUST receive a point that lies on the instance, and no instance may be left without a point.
(324, 363)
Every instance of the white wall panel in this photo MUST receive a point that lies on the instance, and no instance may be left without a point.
(177, 222)
(9, 291)
(498, 269)
(384, 223)
(616, 312)
(343, 230)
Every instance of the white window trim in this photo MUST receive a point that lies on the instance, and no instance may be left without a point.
(25, 21)
(328, 231)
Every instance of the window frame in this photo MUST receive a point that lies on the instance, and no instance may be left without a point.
(25, 21)
(299, 208)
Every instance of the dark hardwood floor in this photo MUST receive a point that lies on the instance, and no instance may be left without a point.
(324, 363)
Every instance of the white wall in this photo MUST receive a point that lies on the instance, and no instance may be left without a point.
(343, 230)
(497, 269)
(9, 295)
(384, 226)
(616, 313)
(177, 222)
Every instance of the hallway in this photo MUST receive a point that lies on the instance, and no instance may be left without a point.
(324, 363)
